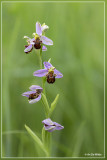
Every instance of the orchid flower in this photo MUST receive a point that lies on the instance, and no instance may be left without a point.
(38, 40)
(50, 126)
(34, 95)
(49, 72)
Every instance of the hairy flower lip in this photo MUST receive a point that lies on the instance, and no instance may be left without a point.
(50, 126)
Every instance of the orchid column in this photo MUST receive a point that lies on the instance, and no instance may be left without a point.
(49, 74)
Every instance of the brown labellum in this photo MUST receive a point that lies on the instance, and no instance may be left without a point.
(33, 95)
(37, 44)
(50, 77)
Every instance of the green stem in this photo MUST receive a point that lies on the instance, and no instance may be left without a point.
(43, 78)
(46, 140)
(43, 84)
(45, 134)
(40, 58)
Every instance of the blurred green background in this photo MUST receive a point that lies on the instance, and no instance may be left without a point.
(77, 30)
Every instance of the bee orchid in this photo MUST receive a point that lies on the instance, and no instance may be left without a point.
(38, 39)
(50, 126)
(34, 95)
(49, 72)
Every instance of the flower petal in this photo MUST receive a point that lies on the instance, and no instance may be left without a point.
(27, 38)
(47, 65)
(46, 40)
(38, 29)
(28, 49)
(28, 93)
(58, 74)
(58, 126)
(40, 73)
(44, 48)
(49, 128)
(32, 41)
(47, 122)
(35, 87)
(44, 27)
(35, 100)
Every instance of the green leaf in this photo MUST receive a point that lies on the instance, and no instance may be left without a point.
(36, 139)
(46, 105)
(53, 104)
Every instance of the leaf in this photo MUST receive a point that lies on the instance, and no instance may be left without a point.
(36, 139)
(53, 104)
(46, 105)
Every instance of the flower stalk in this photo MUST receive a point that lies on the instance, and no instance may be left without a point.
(36, 93)
(45, 135)
(40, 58)
(43, 78)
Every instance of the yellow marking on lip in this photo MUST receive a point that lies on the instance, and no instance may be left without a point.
(36, 36)
(52, 69)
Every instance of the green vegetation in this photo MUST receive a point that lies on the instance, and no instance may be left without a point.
(77, 30)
